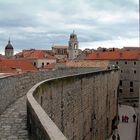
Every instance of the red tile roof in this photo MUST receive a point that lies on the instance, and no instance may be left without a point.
(35, 54)
(13, 65)
(115, 55)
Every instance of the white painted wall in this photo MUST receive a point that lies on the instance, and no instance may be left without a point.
(45, 61)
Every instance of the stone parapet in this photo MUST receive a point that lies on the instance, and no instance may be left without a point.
(15, 86)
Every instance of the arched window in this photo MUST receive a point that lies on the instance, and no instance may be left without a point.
(75, 46)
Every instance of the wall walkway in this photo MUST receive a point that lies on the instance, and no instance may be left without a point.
(127, 131)
(13, 121)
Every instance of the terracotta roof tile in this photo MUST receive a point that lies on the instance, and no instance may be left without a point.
(35, 54)
(13, 65)
(114, 55)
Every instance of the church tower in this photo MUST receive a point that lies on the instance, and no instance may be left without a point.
(73, 46)
(9, 50)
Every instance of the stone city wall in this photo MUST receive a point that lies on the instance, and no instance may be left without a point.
(74, 107)
(13, 87)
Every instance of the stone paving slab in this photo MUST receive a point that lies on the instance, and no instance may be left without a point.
(13, 121)
(127, 131)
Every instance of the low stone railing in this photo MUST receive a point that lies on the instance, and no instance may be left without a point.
(40, 126)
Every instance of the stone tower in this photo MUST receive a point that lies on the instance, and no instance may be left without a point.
(9, 50)
(73, 46)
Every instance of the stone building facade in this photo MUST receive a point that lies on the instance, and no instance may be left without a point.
(129, 81)
(129, 63)
(60, 52)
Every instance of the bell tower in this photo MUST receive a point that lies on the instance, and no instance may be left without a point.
(73, 46)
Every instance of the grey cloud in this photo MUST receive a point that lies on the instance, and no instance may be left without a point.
(14, 17)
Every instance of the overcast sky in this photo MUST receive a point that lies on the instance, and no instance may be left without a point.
(41, 23)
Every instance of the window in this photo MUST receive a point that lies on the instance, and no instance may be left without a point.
(75, 46)
(120, 82)
(120, 90)
(121, 71)
(135, 71)
(34, 63)
(131, 84)
(134, 63)
(42, 64)
(125, 62)
(131, 90)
